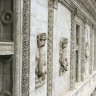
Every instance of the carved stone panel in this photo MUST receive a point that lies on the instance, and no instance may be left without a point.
(40, 69)
(87, 51)
(6, 80)
(6, 20)
(63, 60)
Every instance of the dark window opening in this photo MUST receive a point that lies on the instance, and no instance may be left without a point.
(6, 80)
(76, 66)
(77, 34)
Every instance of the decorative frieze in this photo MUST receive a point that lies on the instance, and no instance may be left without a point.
(25, 47)
(50, 47)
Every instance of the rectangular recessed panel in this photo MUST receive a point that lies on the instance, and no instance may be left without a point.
(6, 22)
(6, 79)
(6, 48)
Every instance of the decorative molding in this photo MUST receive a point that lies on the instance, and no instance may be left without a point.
(50, 47)
(95, 50)
(72, 53)
(82, 11)
(6, 48)
(25, 47)
(68, 4)
(89, 7)
(6, 17)
(17, 58)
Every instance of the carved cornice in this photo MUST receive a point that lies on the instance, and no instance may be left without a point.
(68, 4)
(89, 7)
(78, 9)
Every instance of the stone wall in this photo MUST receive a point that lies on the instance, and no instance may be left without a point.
(63, 35)
(38, 25)
(62, 29)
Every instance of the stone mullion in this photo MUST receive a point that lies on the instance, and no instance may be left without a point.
(50, 47)
(82, 52)
(72, 53)
(25, 47)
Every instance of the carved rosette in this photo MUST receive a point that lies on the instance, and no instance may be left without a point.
(40, 70)
(63, 60)
(6, 17)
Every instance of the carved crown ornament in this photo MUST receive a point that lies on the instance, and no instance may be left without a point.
(40, 69)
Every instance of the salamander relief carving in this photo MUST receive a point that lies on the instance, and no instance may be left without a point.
(63, 60)
(40, 69)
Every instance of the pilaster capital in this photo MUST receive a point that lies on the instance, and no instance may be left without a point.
(55, 4)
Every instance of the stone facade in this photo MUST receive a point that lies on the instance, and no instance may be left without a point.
(65, 18)
(52, 48)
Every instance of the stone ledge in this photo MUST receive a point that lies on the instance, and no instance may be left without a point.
(6, 48)
(89, 84)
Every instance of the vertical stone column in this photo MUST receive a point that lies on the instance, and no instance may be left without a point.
(72, 53)
(52, 6)
(95, 49)
(25, 47)
(17, 63)
(91, 50)
(83, 51)
(50, 47)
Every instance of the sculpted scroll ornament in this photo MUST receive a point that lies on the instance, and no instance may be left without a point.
(40, 69)
(63, 61)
